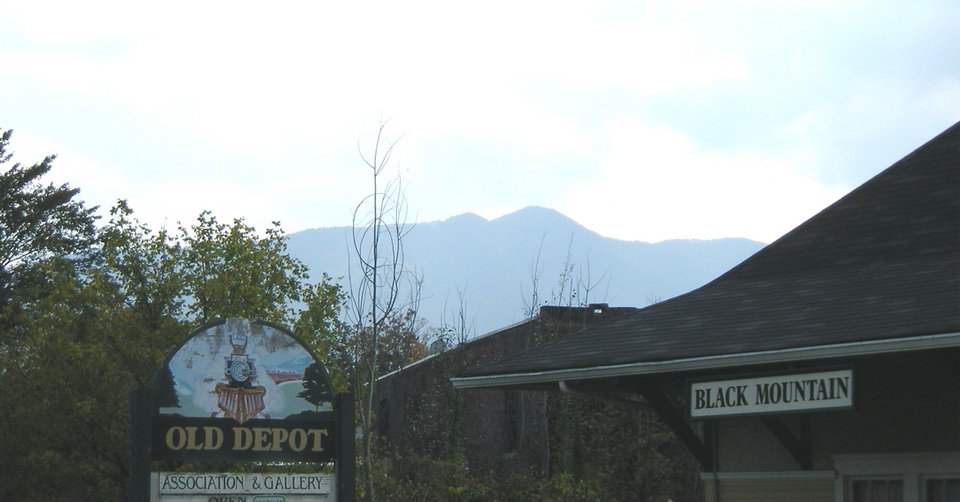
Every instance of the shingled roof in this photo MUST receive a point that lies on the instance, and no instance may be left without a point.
(877, 271)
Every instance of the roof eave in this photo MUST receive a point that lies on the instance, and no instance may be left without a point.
(853, 349)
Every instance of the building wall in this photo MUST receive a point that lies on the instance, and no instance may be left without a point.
(419, 411)
(904, 405)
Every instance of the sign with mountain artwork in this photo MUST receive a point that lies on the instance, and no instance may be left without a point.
(242, 390)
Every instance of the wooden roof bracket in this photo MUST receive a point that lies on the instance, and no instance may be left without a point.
(799, 448)
(674, 419)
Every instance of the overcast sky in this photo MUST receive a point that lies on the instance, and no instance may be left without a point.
(640, 120)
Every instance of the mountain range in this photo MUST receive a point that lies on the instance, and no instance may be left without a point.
(487, 269)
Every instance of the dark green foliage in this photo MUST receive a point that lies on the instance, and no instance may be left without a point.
(425, 479)
(316, 385)
(88, 315)
(78, 355)
(628, 454)
(544, 446)
(37, 222)
(450, 480)
(596, 451)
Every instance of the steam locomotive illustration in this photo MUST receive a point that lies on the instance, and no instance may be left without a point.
(239, 398)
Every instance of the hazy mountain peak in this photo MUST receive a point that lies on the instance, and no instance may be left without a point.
(538, 221)
(534, 214)
(492, 264)
(462, 219)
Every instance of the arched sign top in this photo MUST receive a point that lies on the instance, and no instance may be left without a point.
(241, 369)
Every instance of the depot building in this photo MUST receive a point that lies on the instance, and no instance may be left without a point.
(826, 367)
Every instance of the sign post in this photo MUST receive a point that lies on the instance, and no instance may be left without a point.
(345, 454)
(138, 444)
(240, 391)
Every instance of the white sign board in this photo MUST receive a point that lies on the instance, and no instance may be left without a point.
(772, 394)
(240, 487)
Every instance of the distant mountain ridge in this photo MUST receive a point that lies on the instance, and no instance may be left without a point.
(492, 264)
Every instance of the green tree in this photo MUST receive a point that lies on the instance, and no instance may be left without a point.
(230, 271)
(37, 222)
(400, 344)
(86, 336)
(624, 451)
(64, 437)
(144, 270)
(316, 386)
(318, 326)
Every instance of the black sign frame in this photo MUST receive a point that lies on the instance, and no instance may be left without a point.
(322, 436)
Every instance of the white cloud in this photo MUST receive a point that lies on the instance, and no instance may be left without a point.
(653, 184)
(685, 119)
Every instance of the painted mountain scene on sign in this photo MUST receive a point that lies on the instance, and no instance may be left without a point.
(241, 370)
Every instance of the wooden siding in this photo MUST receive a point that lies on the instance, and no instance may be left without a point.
(765, 490)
